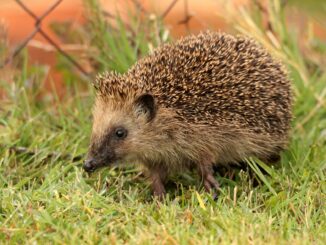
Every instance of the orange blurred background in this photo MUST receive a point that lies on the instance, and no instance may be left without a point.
(204, 14)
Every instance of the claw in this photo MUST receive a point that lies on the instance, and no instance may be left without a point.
(212, 186)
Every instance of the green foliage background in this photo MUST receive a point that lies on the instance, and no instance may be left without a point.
(45, 197)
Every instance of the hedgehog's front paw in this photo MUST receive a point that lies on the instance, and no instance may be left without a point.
(157, 177)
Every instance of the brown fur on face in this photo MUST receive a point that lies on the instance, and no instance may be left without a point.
(207, 99)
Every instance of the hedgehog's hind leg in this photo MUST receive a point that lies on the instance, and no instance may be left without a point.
(272, 159)
(210, 183)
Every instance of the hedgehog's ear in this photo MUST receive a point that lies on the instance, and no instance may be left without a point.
(145, 105)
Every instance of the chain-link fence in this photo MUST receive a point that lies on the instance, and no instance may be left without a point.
(52, 7)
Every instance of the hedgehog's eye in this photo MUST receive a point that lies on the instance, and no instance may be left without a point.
(121, 133)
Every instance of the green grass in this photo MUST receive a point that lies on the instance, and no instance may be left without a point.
(49, 199)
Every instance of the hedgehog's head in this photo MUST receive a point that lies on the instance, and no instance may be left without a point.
(122, 114)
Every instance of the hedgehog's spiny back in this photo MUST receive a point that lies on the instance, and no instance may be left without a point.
(214, 77)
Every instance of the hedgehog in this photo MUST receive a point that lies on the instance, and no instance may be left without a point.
(207, 100)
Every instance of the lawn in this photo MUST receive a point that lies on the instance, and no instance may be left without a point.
(46, 197)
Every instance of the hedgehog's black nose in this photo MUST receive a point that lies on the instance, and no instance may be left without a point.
(89, 165)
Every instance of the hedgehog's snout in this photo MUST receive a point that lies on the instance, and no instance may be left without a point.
(98, 158)
(89, 165)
